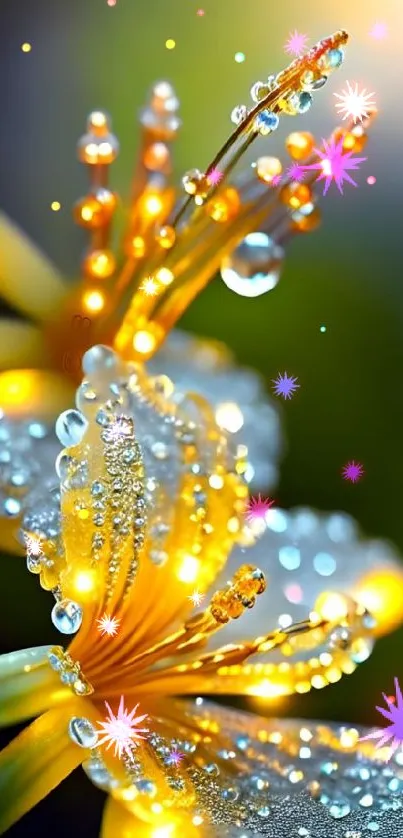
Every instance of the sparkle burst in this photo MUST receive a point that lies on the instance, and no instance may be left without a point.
(276, 180)
(354, 103)
(196, 598)
(149, 286)
(285, 385)
(118, 429)
(175, 757)
(108, 625)
(33, 545)
(334, 164)
(393, 732)
(214, 177)
(122, 730)
(296, 43)
(353, 471)
(258, 507)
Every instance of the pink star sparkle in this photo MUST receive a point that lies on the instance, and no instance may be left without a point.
(353, 471)
(214, 177)
(276, 180)
(296, 43)
(258, 507)
(393, 732)
(119, 429)
(379, 31)
(296, 172)
(354, 103)
(285, 385)
(334, 164)
(119, 730)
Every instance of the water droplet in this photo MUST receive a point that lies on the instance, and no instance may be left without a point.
(67, 616)
(331, 60)
(145, 786)
(98, 359)
(263, 812)
(230, 795)
(71, 426)
(12, 507)
(267, 121)
(253, 268)
(82, 732)
(339, 810)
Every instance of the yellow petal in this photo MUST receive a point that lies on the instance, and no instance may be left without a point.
(21, 344)
(37, 761)
(118, 822)
(34, 393)
(28, 686)
(28, 279)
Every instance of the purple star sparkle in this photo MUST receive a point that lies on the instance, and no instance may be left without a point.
(296, 43)
(394, 731)
(334, 164)
(285, 385)
(296, 172)
(353, 471)
(175, 757)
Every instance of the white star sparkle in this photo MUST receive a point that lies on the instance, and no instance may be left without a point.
(354, 103)
(108, 625)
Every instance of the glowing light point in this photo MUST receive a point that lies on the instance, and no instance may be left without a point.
(239, 57)
(149, 286)
(379, 31)
(93, 301)
(200, 12)
(170, 43)
(122, 730)
(323, 328)
(26, 47)
(55, 206)
(371, 180)
(175, 757)
(111, 2)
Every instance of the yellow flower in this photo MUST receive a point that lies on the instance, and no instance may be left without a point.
(151, 506)
(169, 253)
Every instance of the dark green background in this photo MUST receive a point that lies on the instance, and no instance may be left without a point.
(346, 276)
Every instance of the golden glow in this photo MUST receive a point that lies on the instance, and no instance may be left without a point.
(229, 417)
(163, 831)
(165, 276)
(153, 205)
(332, 606)
(381, 592)
(156, 808)
(84, 581)
(267, 689)
(267, 168)
(300, 144)
(55, 206)
(349, 738)
(97, 119)
(189, 569)
(100, 264)
(143, 342)
(26, 47)
(16, 388)
(94, 301)
(170, 43)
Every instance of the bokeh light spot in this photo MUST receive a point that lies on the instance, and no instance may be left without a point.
(55, 206)
(239, 57)
(170, 43)
(371, 180)
(26, 47)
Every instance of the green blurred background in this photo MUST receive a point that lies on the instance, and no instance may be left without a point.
(346, 276)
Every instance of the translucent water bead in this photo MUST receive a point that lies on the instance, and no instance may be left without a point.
(67, 616)
(253, 268)
(71, 426)
(82, 732)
